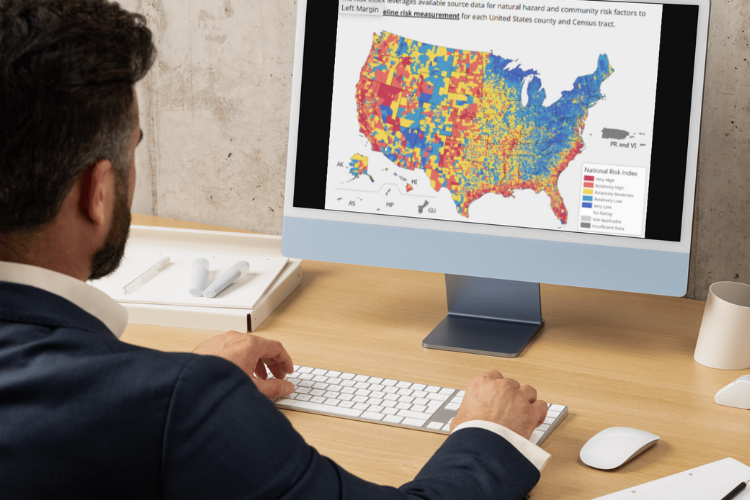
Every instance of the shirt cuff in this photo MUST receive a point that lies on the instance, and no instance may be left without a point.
(532, 452)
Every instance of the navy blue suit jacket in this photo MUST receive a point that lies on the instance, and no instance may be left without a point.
(83, 415)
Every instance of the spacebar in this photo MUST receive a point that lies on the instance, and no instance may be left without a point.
(334, 410)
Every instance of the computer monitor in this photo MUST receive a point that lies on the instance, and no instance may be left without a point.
(503, 144)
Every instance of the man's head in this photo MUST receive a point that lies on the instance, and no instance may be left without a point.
(67, 108)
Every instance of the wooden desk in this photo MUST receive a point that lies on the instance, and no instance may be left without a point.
(615, 359)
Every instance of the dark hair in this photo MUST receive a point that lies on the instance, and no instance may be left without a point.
(67, 74)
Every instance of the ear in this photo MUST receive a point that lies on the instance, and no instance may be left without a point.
(97, 192)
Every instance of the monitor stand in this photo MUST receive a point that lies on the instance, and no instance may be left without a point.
(488, 316)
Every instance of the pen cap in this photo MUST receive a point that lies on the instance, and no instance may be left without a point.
(198, 277)
(225, 279)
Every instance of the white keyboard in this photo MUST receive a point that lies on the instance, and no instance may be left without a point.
(386, 401)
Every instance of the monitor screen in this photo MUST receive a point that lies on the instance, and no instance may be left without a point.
(550, 141)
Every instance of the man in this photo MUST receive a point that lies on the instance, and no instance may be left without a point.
(83, 415)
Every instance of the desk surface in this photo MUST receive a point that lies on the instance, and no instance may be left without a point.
(616, 359)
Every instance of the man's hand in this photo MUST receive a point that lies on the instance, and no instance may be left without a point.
(253, 354)
(504, 401)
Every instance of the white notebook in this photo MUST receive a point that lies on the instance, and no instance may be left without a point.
(711, 481)
(170, 285)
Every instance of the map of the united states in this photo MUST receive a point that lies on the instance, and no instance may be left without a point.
(459, 116)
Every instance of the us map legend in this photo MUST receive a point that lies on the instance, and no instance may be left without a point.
(613, 200)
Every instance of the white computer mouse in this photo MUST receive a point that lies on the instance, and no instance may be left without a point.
(613, 447)
(736, 394)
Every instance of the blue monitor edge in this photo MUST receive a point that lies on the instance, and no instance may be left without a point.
(493, 271)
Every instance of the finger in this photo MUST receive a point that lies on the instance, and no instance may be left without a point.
(277, 370)
(513, 383)
(494, 374)
(274, 353)
(529, 393)
(274, 388)
(260, 370)
(540, 407)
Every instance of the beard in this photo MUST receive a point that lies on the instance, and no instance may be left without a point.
(108, 257)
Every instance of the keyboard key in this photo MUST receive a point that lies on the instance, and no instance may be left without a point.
(437, 397)
(375, 380)
(452, 406)
(389, 404)
(376, 387)
(347, 376)
(361, 385)
(418, 387)
(461, 394)
(549, 420)
(447, 428)
(317, 399)
(303, 397)
(318, 371)
(414, 414)
(405, 399)
(296, 367)
(419, 394)
(345, 397)
(420, 408)
(536, 436)
(403, 406)
(311, 405)
(554, 414)
(374, 401)
(403, 385)
(447, 391)
(373, 415)
(559, 408)
(413, 422)
(302, 390)
(346, 404)
(435, 425)
(305, 376)
(390, 390)
(361, 406)
(376, 394)
(333, 374)
(320, 385)
(320, 378)
(359, 399)
(307, 383)
(405, 392)
(361, 378)
(457, 400)
(332, 401)
(390, 411)
(363, 392)
(331, 394)
(391, 397)
(389, 382)
(304, 369)
(317, 392)
(432, 388)
(543, 427)
(347, 383)
(348, 390)
(421, 401)
(376, 408)
(393, 420)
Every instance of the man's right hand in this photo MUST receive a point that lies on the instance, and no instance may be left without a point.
(504, 401)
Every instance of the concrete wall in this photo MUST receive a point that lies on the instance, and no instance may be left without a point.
(215, 111)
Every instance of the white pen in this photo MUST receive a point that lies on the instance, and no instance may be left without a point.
(148, 274)
(225, 279)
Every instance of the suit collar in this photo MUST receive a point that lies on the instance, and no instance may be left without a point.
(96, 303)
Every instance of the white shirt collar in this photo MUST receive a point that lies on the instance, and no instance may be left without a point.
(93, 301)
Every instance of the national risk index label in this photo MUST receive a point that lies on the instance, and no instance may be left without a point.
(613, 199)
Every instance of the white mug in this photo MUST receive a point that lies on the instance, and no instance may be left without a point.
(724, 338)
